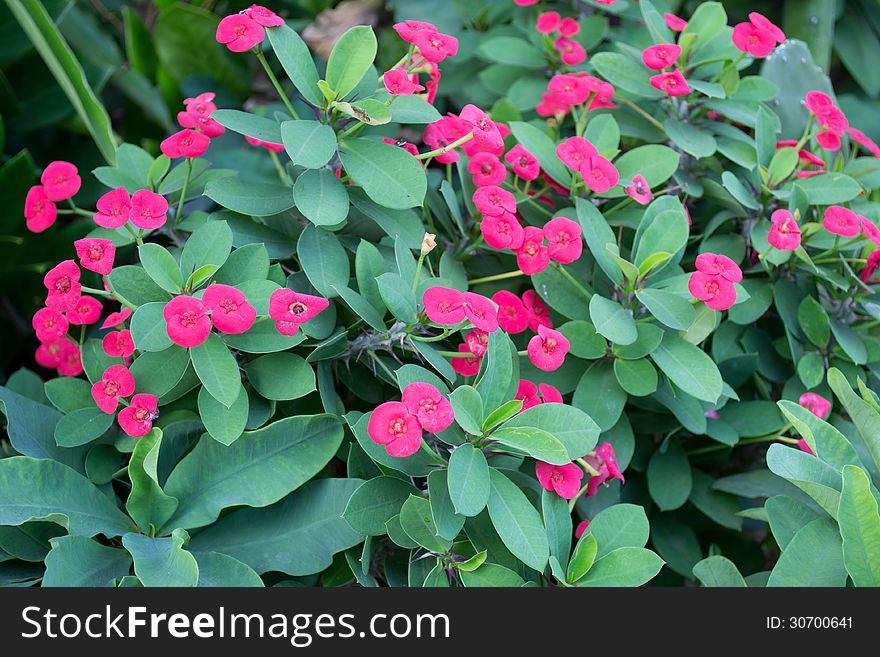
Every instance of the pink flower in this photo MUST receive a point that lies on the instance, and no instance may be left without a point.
(116, 382)
(502, 231)
(759, 37)
(435, 46)
(486, 169)
(525, 3)
(39, 211)
(444, 305)
(575, 152)
(640, 190)
(841, 221)
(87, 310)
(819, 103)
(148, 209)
(114, 208)
(550, 105)
(674, 23)
(468, 364)
(532, 256)
(539, 314)
(569, 27)
(604, 461)
(263, 16)
(527, 393)
(583, 525)
(70, 359)
(412, 149)
(201, 104)
(599, 174)
(764, 23)
(60, 181)
(871, 266)
(828, 140)
(186, 321)
(816, 404)
(569, 89)
(289, 309)
(185, 143)
(117, 318)
(398, 82)
(718, 292)
(512, 314)
(136, 419)
(563, 240)
(605, 452)
(95, 254)
(50, 325)
(547, 22)
(525, 165)
(269, 146)
(230, 310)
(492, 200)
(861, 138)
(869, 228)
(785, 234)
(564, 480)
(672, 83)
(547, 350)
(719, 265)
(660, 56)
(486, 133)
(407, 30)
(118, 344)
(804, 447)
(62, 282)
(433, 410)
(480, 311)
(204, 124)
(444, 132)
(49, 354)
(571, 52)
(550, 394)
(239, 32)
(392, 425)
(477, 342)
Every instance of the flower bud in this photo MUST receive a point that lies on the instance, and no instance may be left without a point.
(428, 243)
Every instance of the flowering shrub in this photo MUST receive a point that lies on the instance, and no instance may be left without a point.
(521, 338)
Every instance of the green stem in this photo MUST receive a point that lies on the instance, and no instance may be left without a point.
(121, 299)
(92, 290)
(640, 111)
(573, 280)
(282, 174)
(179, 214)
(749, 441)
(447, 148)
(415, 282)
(276, 84)
(131, 231)
(496, 277)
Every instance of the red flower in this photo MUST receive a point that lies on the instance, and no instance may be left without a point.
(674, 23)
(116, 382)
(86, 311)
(486, 169)
(50, 325)
(861, 138)
(502, 231)
(185, 143)
(569, 89)
(407, 30)
(828, 140)
(480, 311)
(547, 350)
(539, 314)
(60, 181)
(672, 83)
(392, 425)
(660, 56)
(784, 234)
(269, 146)
(583, 525)
(841, 221)
(564, 480)
(477, 341)
(550, 394)
(805, 447)
(605, 462)
(563, 240)
(204, 124)
(70, 359)
(486, 133)
(49, 354)
(137, 418)
(871, 266)
(440, 134)
(569, 27)
(571, 52)
(186, 321)
(118, 344)
(263, 16)
(547, 22)
(230, 310)
(640, 190)
(39, 211)
(525, 165)
(492, 200)
(869, 228)
(575, 152)
(599, 174)
(114, 208)
(550, 105)
(716, 291)
(764, 23)
(239, 32)
(512, 314)
(432, 409)
(816, 404)
(435, 46)
(95, 254)
(719, 265)
(532, 257)
(398, 82)
(527, 393)
(412, 149)
(62, 282)
(467, 365)
(201, 104)
(289, 309)
(444, 305)
(117, 318)
(148, 209)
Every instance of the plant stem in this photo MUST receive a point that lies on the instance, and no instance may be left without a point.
(282, 174)
(496, 277)
(573, 280)
(749, 441)
(189, 169)
(447, 148)
(640, 111)
(276, 84)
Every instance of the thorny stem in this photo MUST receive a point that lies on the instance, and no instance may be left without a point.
(276, 83)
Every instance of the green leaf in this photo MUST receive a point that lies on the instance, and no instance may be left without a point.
(850, 342)
(162, 561)
(536, 443)
(134, 285)
(298, 536)
(501, 414)
(217, 370)
(82, 426)
(255, 199)
(814, 557)
(787, 516)
(637, 377)
(576, 430)
(690, 368)
(859, 527)
(69, 394)
(225, 425)
(323, 260)
(398, 297)
(491, 575)
(718, 571)
(350, 59)
(620, 525)
(147, 503)
(281, 376)
(583, 557)
(81, 561)
(221, 570)
(816, 478)
(513, 51)
(159, 372)
(585, 342)
(669, 308)
(245, 123)
(655, 162)
(256, 470)
(864, 416)
(149, 329)
(705, 23)
(517, 522)
(669, 477)
(782, 165)
(826, 441)
(612, 320)
(605, 409)
(413, 110)
(691, 139)
(41, 489)
(375, 503)
(468, 480)
(598, 235)
(309, 144)
(297, 62)
(499, 371)
(368, 110)
(263, 338)
(161, 266)
(250, 262)
(320, 197)
(389, 175)
(536, 142)
(447, 522)
(814, 321)
(557, 524)
(417, 522)
(664, 232)
(626, 566)
(208, 245)
(623, 72)
(468, 408)
(829, 189)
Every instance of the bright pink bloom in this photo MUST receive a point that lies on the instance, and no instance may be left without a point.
(269, 146)
(289, 309)
(719, 265)
(674, 23)
(816, 404)
(201, 104)
(550, 394)
(444, 132)
(239, 32)
(819, 103)
(599, 174)
(660, 56)
(263, 16)
(412, 149)
(486, 132)
(575, 152)
(605, 452)
(433, 410)
(672, 83)
(39, 211)
(571, 52)
(486, 169)
(539, 314)
(718, 292)
(114, 208)
(407, 30)
(70, 359)
(477, 342)
(525, 3)
(148, 209)
(563, 240)
(116, 382)
(392, 425)
(60, 181)
(186, 321)
(444, 305)
(49, 354)
(468, 364)
(569, 27)
(547, 350)
(502, 231)
(480, 311)
(861, 138)
(532, 256)
(185, 143)
(492, 200)
(398, 82)
(869, 228)
(118, 344)
(871, 266)
(753, 40)
(569, 89)
(525, 165)
(435, 46)
(62, 282)
(640, 190)
(547, 22)
(583, 525)
(828, 140)
(841, 221)
(204, 124)
(764, 23)
(527, 393)
(95, 254)
(804, 447)
(86, 311)
(784, 234)
(564, 480)
(512, 314)
(136, 419)
(604, 461)
(835, 120)
(230, 310)
(117, 318)
(604, 2)
(49, 324)
(550, 105)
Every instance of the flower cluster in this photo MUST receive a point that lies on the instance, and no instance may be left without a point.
(291, 309)
(246, 30)
(528, 393)
(830, 117)
(579, 155)
(60, 181)
(758, 37)
(713, 282)
(198, 128)
(565, 480)
(188, 320)
(136, 418)
(399, 425)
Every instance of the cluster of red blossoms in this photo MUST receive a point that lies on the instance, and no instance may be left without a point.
(117, 382)
(60, 181)
(570, 51)
(758, 37)
(245, 30)
(833, 121)
(198, 128)
(533, 395)
(660, 57)
(565, 480)
(713, 282)
(399, 425)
